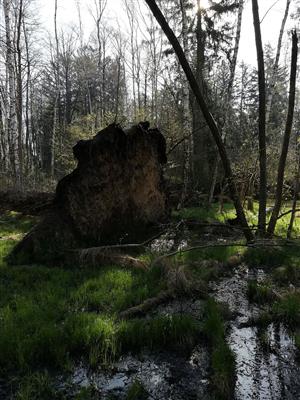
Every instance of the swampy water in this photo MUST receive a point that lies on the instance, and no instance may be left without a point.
(271, 373)
(262, 372)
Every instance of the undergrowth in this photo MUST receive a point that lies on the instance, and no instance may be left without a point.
(53, 317)
(223, 360)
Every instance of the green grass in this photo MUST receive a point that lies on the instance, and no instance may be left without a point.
(220, 254)
(213, 214)
(36, 386)
(287, 310)
(13, 223)
(223, 360)
(50, 314)
(52, 317)
(259, 293)
(272, 256)
(206, 214)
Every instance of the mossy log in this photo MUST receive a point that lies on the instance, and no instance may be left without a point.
(115, 195)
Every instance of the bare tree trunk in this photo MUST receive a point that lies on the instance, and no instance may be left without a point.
(118, 89)
(19, 102)
(276, 63)
(206, 113)
(27, 104)
(100, 8)
(200, 136)
(286, 137)
(233, 62)
(57, 96)
(186, 115)
(261, 123)
(131, 19)
(12, 123)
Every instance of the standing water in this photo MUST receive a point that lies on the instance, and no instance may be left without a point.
(263, 372)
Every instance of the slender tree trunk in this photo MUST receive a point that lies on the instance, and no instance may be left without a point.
(57, 95)
(261, 123)
(228, 100)
(276, 63)
(118, 90)
(27, 104)
(201, 139)
(233, 62)
(295, 198)
(206, 113)
(286, 137)
(186, 115)
(19, 102)
(12, 122)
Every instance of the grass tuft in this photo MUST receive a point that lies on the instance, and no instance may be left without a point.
(223, 359)
(259, 293)
(137, 392)
(287, 310)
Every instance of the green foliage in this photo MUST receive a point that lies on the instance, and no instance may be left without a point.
(82, 128)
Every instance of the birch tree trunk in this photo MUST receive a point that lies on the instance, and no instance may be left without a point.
(286, 137)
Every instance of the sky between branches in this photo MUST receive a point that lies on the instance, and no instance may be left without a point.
(67, 15)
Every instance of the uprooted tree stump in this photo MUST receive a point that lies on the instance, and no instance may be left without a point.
(114, 195)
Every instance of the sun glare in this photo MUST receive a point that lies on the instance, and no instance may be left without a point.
(204, 4)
